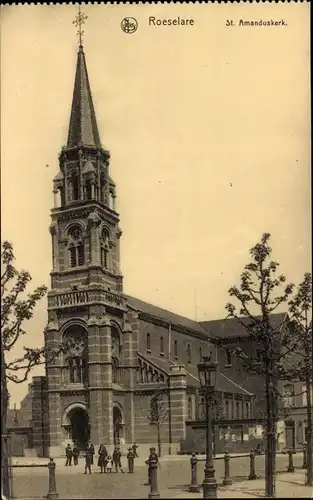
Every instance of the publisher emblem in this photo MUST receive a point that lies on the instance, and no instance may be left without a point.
(129, 25)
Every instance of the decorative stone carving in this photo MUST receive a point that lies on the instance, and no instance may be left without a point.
(94, 219)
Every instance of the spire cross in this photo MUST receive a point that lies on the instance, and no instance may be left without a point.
(78, 22)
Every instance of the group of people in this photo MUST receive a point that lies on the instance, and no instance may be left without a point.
(106, 462)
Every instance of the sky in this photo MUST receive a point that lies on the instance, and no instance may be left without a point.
(208, 128)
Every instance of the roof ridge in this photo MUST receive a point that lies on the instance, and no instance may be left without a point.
(235, 383)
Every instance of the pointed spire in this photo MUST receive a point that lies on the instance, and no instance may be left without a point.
(83, 129)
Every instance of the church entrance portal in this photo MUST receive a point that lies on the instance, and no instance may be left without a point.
(117, 426)
(80, 429)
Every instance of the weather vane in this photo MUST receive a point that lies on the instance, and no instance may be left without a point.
(78, 22)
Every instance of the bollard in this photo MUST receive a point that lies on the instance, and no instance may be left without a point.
(154, 480)
(194, 487)
(305, 457)
(227, 479)
(290, 466)
(52, 493)
(252, 474)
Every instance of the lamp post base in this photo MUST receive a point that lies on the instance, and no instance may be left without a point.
(194, 488)
(209, 488)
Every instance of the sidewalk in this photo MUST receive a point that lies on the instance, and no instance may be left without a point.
(289, 485)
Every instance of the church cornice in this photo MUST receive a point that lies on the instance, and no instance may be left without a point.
(82, 209)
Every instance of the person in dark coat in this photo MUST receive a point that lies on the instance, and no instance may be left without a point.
(134, 448)
(153, 456)
(75, 454)
(92, 451)
(102, 460)
(117, 459)
(88, 459)
(130, 460)
(69, 455)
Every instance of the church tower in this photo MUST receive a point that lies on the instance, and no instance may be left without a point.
(86, 306)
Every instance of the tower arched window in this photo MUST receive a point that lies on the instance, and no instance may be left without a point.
(189, 353)
(148, 342)
(102, 188)
(105, 249)
(88, 190)
(162, 346)
(175, 349)
(76, 246)
(75, 358)
(74, 186)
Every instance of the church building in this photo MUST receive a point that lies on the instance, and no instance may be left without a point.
(124, 351)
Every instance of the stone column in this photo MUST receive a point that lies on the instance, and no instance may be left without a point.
(100, 377)
(178, 392)
(55, 254)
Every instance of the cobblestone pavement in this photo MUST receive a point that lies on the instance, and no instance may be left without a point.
(173, 478)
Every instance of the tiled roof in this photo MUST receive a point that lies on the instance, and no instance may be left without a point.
(168, 316)
(230, 327)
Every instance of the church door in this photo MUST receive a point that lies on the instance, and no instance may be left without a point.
(80, 429)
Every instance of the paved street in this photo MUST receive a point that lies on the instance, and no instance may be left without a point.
(173, 476)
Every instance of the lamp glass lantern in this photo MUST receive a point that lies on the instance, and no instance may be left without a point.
(207, 373)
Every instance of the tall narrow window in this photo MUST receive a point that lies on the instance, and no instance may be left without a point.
(228, 357)
(80, 254)
(288, 395)
(105, 239)
(88, 190)
(237, 410)
(104, 258)
(190, 412)
(226, 410)
(247, 410)
(189, 353)
(175, 349)
(72, 253)
(102, 188)
(162, 346)
(200, 354)
(148, 342)
(75, 186)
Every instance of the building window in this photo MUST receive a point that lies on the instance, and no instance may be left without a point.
(190, 412)
(72, 256)
(288, 395)
(226, 410)
(200, 354)
(189, 353)
(247, 410)
(75, 359)
(88, 190)
(104, 248)
(148, 342)
(75, 186)
(162, 346)
(237, 410)
(228, 357)
(202, 409)
(175, 349)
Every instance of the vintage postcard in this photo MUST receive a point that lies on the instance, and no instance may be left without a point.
(156, 250)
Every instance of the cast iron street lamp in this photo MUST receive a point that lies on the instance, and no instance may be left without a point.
(207, 377)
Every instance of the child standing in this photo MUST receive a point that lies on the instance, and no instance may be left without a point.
(109, 464)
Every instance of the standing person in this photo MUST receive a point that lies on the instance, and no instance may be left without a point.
(75, 454)
(134, 448)
(130, 459)
(153, 456)
(102, 460)
(117, 459)
(92, 451)
(69, 454)
(109, 464)
(88, 459)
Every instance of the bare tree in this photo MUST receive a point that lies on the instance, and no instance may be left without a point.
(158, 415)
(300, 308)
(260, 293)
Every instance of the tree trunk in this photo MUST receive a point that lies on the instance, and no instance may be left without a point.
(159, 440)
(270, 454)
(5, 458)
(309, 433)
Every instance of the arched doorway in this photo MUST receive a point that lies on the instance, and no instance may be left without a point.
(80, 429)
(118, 425)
